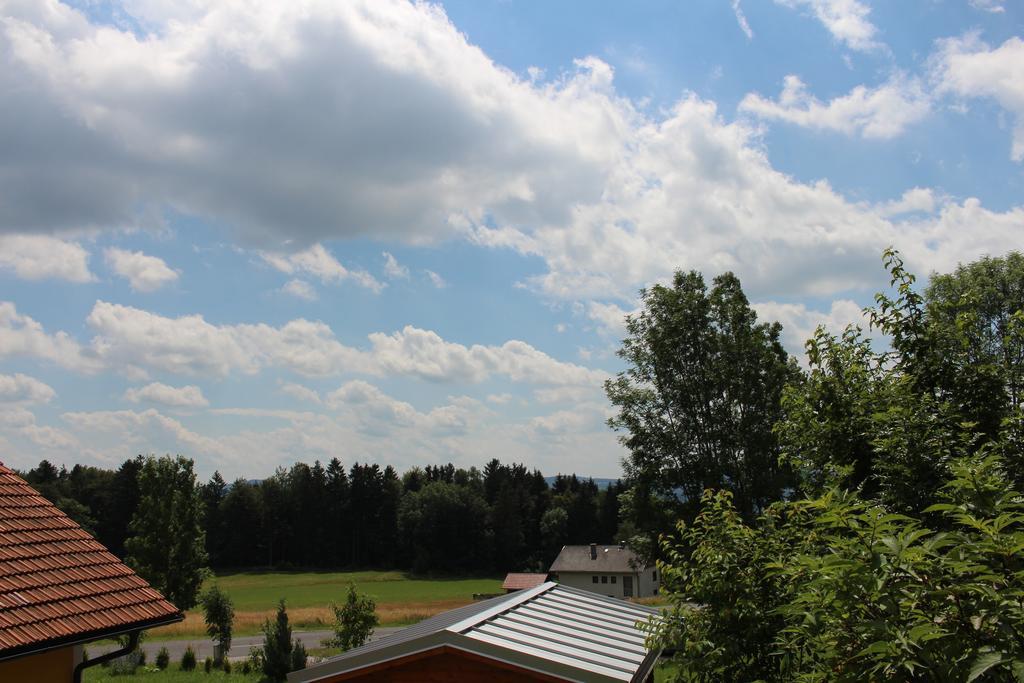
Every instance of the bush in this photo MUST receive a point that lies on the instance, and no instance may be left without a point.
(227, 665)
(219, 614)
(208, 665)
(246, 668)
(163, 658)
(298, 656)
(837, 588)
(188, 660)
(279, 655)
(353, 622)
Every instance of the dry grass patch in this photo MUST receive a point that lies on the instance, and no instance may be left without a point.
(305, 618)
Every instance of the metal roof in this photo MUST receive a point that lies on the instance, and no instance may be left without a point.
(607, 559)
(564, 632)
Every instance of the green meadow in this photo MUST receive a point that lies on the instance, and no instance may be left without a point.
(401, 598)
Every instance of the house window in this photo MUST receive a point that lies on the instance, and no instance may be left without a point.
(604, 579)
(594, 579)
(654, 575)
(614, 578)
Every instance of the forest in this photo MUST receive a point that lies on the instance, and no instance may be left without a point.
(437, 519)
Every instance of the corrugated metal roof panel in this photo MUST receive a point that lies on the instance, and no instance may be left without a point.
(553, 626)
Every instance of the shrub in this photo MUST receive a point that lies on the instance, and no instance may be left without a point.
(279, 654)
(219, 614)
(208, 665)
(188, 660)
(354, 621)
(227, 665)
(838, 588)
(163, 658)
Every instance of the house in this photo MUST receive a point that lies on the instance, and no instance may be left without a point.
(546, 633)
(59, 589)
(612, 570)
(517, 582)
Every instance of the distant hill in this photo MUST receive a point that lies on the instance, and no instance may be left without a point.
(602, 482)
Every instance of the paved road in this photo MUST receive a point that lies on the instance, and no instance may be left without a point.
(239, 646)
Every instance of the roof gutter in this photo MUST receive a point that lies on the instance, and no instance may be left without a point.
(82, 639)
(133, 642)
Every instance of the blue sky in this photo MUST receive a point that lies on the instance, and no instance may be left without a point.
(408, 233)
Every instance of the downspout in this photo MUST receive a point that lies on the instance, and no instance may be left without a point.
(133, 642)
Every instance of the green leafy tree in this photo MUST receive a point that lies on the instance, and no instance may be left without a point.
(354, 620)
(167, 546)
(219, 613)
(697, 401)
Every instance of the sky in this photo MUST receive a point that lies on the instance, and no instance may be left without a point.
(258, 233)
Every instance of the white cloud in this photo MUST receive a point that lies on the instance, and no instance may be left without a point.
(393, 269)
(799, 322)
(880, 113)
(435, 279)
(148, 431)
(300, 289)
(377, 412)
(38, 257)
(968, 67)
(425, 354)
(297, 391)
(19, 388)
(611, 196)
(914, 200)
(404, 127)
(499, 399)
(846, 20)
(131, 338)
(144, 273)
(189, 396)
(23, 336)
(741, 19)
(321, 264)
(994, 6)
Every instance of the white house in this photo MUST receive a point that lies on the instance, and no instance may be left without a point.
(612, 570)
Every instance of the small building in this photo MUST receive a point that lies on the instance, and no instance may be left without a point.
(546, 633)
(60, 588)
(612, 570)
(517, 581)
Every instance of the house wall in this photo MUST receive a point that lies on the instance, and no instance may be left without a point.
(54, 666)
(643, 583)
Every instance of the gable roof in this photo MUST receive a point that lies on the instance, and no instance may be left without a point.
(610, 559)
(58, 585)
(553, 629)
(515, 581)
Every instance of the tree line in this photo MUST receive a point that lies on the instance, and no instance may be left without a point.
(437, 519)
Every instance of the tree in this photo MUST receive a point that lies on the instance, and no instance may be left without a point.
(444, 526)
(914, 574)
(697, 401)
(167, 547)
(220, 616)
(354, 621)
(280, 654)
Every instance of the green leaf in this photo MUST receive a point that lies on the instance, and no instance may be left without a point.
(983, 663)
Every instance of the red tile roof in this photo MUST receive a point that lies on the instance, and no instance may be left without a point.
(517, 582)
(58, 585)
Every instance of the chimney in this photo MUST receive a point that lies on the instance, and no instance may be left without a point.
(593, 551)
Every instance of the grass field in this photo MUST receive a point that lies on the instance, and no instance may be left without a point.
(401, 599)
(169, 676)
